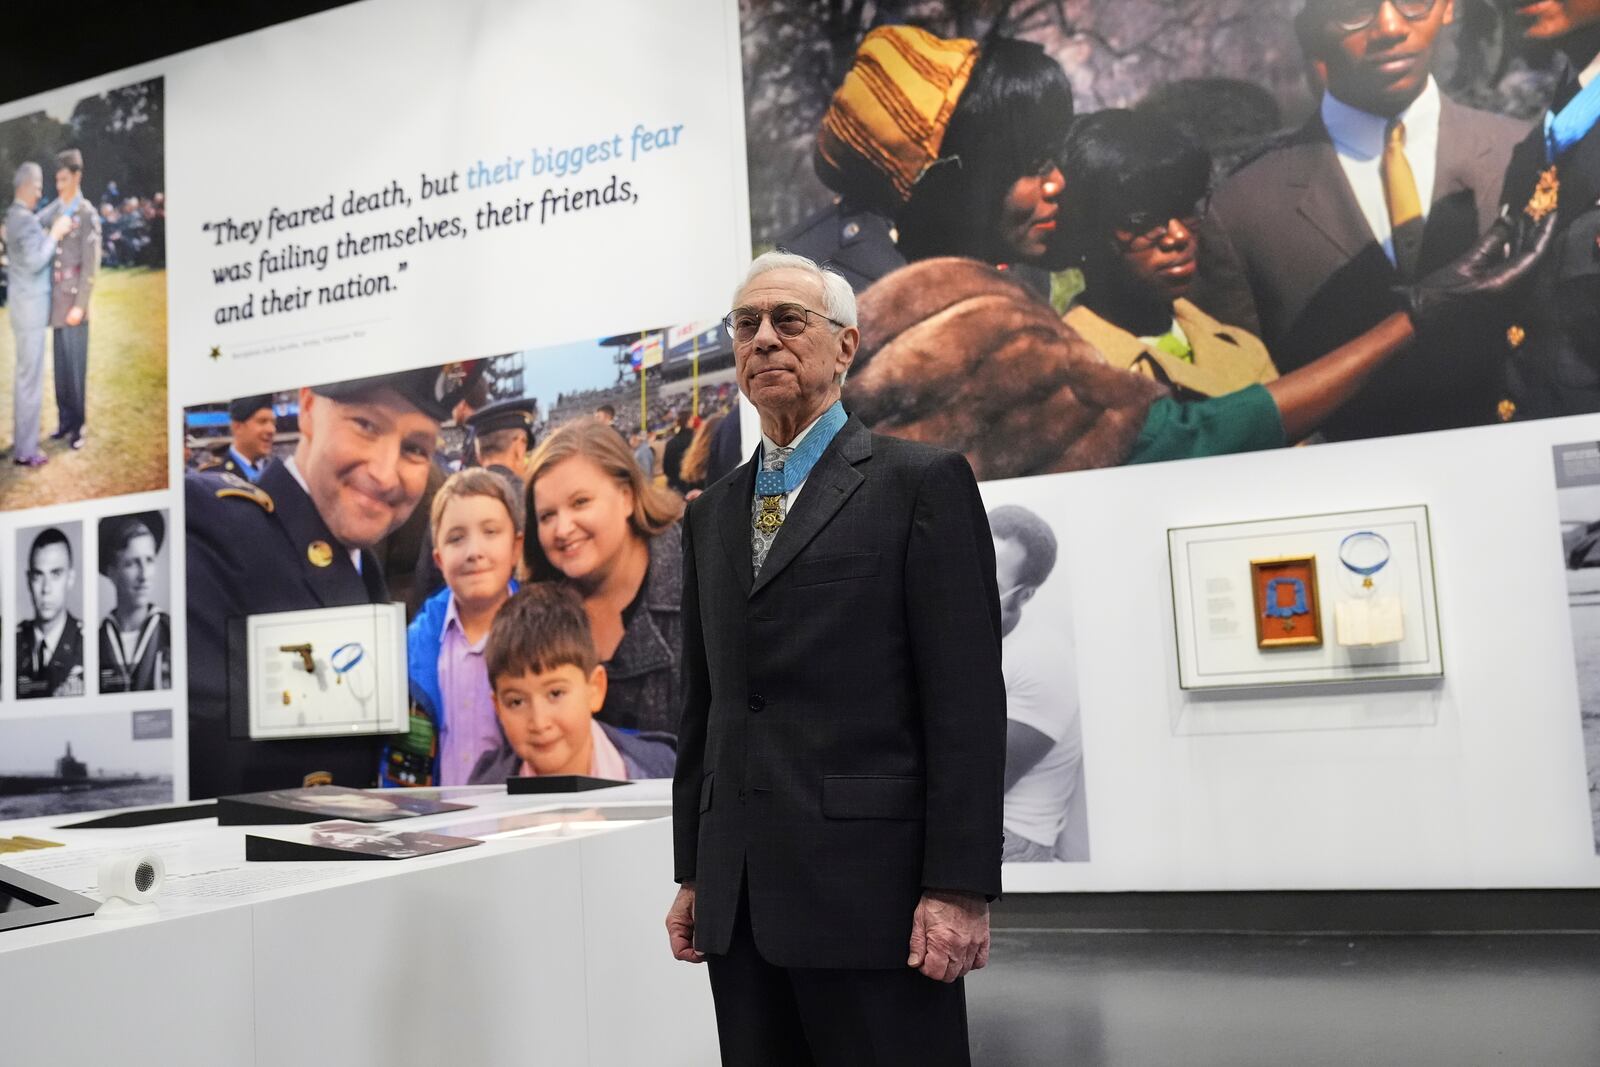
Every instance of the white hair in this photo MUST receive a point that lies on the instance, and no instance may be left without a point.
(838, 299)
(27, 174)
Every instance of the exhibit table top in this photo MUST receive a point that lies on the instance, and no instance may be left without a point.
(206, 869)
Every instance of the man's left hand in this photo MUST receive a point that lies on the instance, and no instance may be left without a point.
(949, 934)
(74, 316)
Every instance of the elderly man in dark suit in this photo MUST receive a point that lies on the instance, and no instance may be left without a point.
(1388, 181)
(837, 804)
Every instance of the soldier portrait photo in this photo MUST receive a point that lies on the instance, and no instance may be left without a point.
(50, 612)
(83, 360)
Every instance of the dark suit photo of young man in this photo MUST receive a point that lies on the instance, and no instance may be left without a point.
(837, 803)
(1388, 181)
(50, 644)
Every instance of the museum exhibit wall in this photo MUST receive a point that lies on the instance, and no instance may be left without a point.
(1469, 771)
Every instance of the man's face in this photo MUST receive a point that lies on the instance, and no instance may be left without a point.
(365, 462)
(50, 579)
(253, 436)
(67, 183)
(1382, 67)
(1009, 557)
(133, 572)
(29, 192)
(1544, 20)
(791, 375)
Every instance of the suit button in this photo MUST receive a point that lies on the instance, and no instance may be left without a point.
(757, 701)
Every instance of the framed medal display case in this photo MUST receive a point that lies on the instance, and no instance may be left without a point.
(326, 672)
(1307, 601)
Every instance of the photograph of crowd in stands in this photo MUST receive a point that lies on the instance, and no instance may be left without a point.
(524, 507)
(83, 299)
(1093, 234)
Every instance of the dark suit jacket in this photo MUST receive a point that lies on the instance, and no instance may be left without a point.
(247, 555)
(66, 657)
(1286, 254)
(843, 737)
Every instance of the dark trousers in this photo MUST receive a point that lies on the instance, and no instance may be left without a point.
(71, 347)
(771, 1016)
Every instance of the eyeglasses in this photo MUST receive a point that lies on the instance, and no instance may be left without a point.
(790, 320)
(1352, 16)
(1145, 229)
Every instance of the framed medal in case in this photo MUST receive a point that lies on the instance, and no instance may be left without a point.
(1306, 600)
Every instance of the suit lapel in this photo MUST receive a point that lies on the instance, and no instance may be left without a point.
(733, 520)
(1325, 198)
(827, 487)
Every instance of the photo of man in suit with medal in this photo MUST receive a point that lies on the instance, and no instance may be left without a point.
(84, 245)
(1387, 181)
(837, 804)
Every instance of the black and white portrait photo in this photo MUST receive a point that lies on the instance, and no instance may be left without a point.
(50, 611)
(135, 633)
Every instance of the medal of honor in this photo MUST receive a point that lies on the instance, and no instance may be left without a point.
(1287, 610)
(769, 518)
(1545, 195)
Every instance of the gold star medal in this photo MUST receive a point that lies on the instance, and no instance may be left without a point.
(769, 518)
(1545, 195)
(320, 553)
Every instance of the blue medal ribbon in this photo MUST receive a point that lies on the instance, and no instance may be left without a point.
(1562, 131)
(1370, 570)
(804, 457)
(1276, 610)
(345, 657)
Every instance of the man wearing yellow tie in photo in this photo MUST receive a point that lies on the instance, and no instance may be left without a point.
(1388, 180)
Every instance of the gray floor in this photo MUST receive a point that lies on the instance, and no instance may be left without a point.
(1157, 999)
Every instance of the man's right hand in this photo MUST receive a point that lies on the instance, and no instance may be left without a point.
(680, 926)
(59, 228)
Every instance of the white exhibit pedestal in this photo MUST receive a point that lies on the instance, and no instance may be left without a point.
(546, 948)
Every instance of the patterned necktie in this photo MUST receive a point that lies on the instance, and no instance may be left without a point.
(767, 512)
(1400, 193)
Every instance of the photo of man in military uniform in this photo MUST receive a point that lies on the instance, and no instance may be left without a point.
(302, 538)
(50, 644)
(72, 277)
